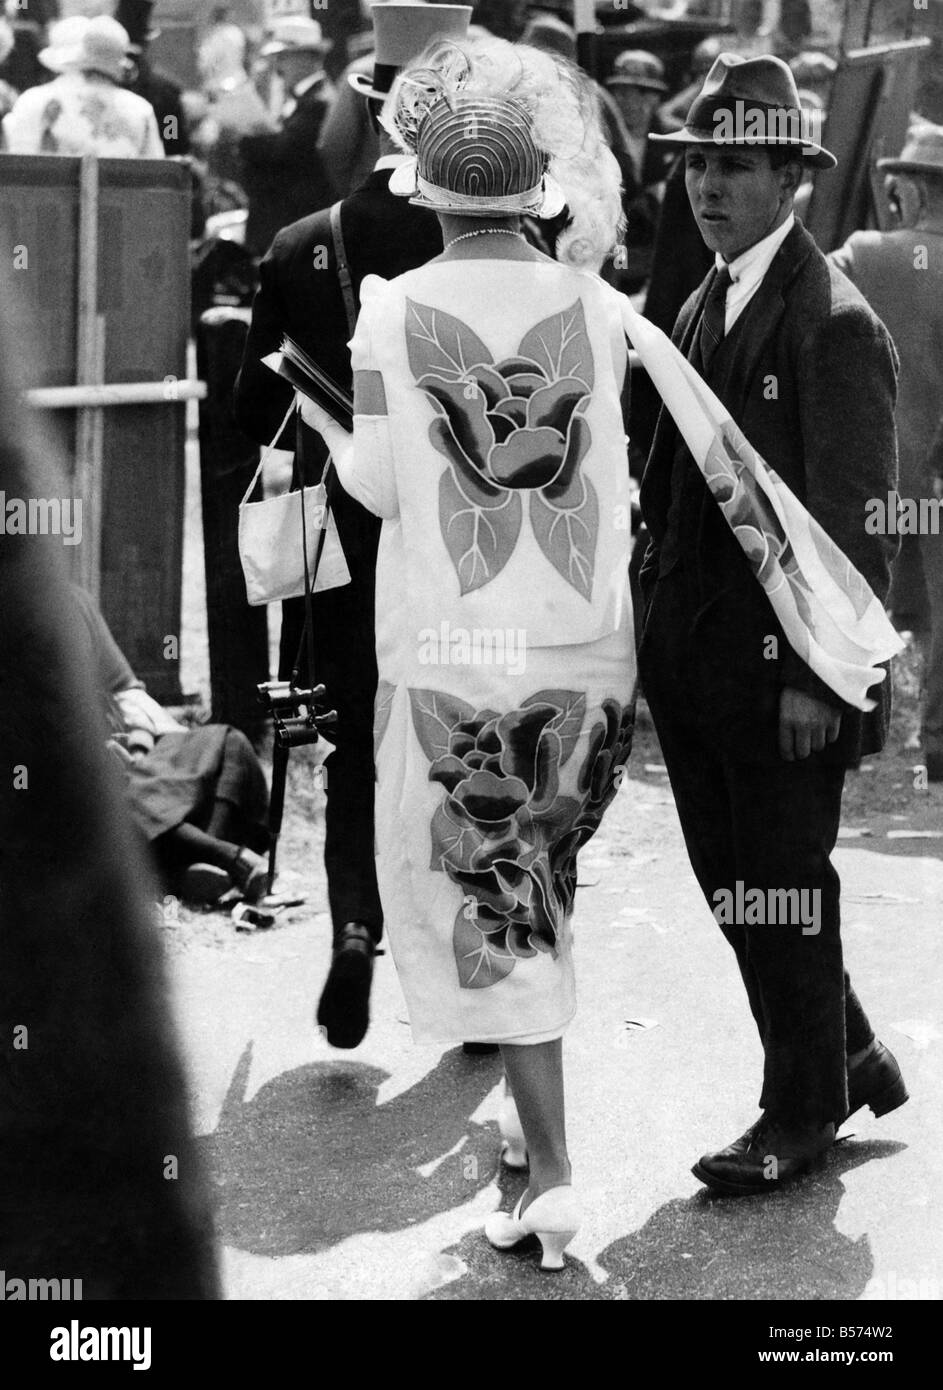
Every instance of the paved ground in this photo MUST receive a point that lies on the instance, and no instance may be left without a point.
(367, 1175)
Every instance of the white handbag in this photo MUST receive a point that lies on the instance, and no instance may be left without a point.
(271, 540)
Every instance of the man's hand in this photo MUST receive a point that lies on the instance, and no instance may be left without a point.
(805, 724)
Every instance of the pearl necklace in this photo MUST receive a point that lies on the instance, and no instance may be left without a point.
(484, 231)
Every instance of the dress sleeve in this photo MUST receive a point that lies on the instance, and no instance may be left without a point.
(367, 470)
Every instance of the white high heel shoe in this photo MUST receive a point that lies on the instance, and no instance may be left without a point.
(514, 1148)
(553, 1217)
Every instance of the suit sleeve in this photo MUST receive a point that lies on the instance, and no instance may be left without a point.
(847, 395)
(262, 398)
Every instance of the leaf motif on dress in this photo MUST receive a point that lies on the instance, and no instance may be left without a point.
(439, 343)
(480, 540)
(560, 345)
(567, 536)
(481, 959)
(435, 716)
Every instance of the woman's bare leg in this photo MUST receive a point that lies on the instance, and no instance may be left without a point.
(535, 1078)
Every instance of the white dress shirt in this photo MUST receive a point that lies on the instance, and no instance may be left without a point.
(747, 270)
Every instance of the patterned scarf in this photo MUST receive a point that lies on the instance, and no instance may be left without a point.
(827, 610)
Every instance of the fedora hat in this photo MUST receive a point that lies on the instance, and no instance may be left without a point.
(298, 34)
(401, 33)
(922, 154)
(476, 156)
(87, 45)
(636, 68)
(749, 101)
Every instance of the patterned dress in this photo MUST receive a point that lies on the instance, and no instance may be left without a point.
(489, 437)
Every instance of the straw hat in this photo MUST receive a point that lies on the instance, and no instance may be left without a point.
(636, 68)
(297, 34)
(476, 156)
(922, 154)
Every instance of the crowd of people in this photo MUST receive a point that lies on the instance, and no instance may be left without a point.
(276, 129)
(488, 212)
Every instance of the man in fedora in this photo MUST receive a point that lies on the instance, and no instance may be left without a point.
(300, 294)
(900, 273)
(283, 174)
(755, 744)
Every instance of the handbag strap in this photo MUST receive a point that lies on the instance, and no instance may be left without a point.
(268, 451)
(343, 269)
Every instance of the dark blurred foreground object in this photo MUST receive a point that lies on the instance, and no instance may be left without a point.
(99, 1178)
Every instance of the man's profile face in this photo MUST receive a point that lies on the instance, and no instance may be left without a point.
(735, 194)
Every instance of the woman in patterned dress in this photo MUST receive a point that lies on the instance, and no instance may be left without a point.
(488, 435)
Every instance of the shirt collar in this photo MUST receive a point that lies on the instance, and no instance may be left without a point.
(756, 260)
(390, 161)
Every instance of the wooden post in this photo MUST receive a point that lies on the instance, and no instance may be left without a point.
(89, 369)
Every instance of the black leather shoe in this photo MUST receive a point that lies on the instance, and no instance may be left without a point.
(344, 1006)
(766, 1157)
(876, 1081)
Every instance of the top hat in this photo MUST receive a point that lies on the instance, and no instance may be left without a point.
(135, 16)
(87, 45)
(749, 101)
(296, 34)
(636, 68)
(476, 156)
(402, 32)
(922, 154)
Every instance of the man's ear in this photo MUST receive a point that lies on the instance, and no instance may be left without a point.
(791, 176)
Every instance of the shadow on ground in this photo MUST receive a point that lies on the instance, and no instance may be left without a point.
(312, 1159)
(784, 1246)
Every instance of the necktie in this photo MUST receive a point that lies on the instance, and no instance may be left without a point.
(713, 317)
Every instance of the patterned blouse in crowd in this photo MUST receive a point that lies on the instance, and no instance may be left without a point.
(83, 113)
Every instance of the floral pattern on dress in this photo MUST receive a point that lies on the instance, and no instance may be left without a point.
(517, 807)
(506, 429)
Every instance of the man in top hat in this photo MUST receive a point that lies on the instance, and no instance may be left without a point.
(755, 744)
(283, 174)
(85, 109)
(900, 273)
(300, 294)
(164, 95)
(637, 87)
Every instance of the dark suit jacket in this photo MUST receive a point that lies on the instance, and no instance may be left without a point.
(282, 172)
(809, 374)
(383, 235)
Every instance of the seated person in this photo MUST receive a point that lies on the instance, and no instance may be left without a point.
(196, 795)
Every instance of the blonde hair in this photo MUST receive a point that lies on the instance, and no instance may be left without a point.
(565, 120)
